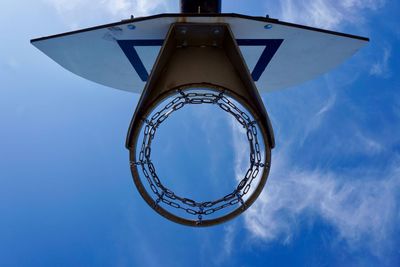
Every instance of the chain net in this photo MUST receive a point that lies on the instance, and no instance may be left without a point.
(164, 195)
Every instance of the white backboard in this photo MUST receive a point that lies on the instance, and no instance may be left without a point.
(278, 54)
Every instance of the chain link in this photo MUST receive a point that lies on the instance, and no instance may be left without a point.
(190, 206)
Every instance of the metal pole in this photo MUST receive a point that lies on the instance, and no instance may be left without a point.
(201, 6)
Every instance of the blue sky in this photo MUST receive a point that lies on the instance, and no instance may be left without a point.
(66, 194)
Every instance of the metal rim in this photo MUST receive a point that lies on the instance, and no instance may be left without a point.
(206, 222)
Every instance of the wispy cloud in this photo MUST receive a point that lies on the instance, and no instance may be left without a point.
(369, 145)
(10, 64)
(77, 12)
(138, 7)
(325, 13)
(315, 121)
(241, 148)
(228, 244)
(229, 239)
(381, 68)
(361, 206)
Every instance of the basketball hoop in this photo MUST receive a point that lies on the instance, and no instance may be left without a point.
(165, 201)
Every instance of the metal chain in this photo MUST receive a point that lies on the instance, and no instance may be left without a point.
(168, 197)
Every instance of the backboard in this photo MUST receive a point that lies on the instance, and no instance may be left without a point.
(121, 55)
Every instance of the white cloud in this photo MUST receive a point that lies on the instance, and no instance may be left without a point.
(241, 148)
(325, 13)
(370, 4)
(315, 121)
(64, 5)
(75, 13)
(228, 245)
(228, 239)
(362, 206)
(10, 64)
(381, 68)
(138, 7)
(367, 144)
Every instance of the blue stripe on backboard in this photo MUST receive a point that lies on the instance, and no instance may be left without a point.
(128, 46)
(271, 46)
